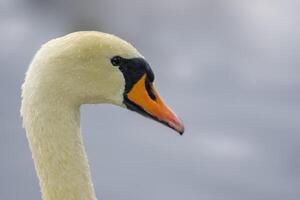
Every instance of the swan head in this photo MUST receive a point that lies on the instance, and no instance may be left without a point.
(93, 67)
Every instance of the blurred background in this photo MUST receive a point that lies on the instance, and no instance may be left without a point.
(230, 69)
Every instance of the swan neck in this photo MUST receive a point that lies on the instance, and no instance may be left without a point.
(53, 132)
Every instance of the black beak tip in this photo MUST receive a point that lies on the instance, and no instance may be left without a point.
(180, 131)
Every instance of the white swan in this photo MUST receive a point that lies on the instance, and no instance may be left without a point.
(81, 68)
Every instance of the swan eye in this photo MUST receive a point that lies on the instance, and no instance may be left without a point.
(115, 61)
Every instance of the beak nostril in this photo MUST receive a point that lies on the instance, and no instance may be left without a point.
(149, 89)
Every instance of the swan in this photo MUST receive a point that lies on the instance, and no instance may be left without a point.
(86, 67)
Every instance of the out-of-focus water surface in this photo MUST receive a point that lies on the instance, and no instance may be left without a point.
(230, 69)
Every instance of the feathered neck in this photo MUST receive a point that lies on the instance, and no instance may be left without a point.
(53, 132)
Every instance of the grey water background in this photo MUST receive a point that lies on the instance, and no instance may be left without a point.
(230, 69)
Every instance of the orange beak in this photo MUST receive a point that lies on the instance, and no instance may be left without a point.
(151, 105)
